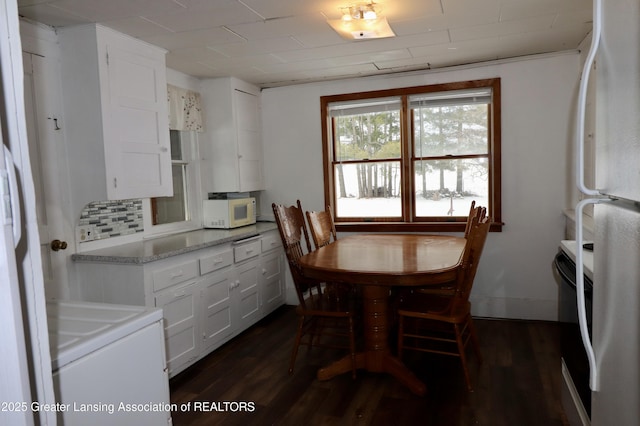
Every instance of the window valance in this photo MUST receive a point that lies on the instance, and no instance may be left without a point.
(185, 109)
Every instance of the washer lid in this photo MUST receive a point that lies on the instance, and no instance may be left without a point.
(79, 328)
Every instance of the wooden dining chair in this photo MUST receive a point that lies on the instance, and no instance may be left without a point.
(448, 289)
(323, 232)
(321, 226)
(320, 313)
(443, 324)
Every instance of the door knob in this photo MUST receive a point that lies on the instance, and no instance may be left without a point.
(58, 245)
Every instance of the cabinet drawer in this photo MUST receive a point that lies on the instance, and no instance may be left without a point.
(246, 250)
(174, 275)
(214, 261)
(270, 242)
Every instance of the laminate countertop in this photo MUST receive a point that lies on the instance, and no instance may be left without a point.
(164, 247)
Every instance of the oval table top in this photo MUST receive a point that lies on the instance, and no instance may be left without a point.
(386, 259)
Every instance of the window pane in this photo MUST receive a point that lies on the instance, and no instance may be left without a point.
(447, 187)
(368, 135)
(176, 144)
(173, 209)
(450, 130)
(369, 189)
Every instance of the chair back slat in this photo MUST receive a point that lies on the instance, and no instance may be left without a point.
(323, 230)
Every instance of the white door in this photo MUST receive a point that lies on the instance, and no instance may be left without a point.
(48, 164)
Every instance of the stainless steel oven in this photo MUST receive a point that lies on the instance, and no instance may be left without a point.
(574, 356)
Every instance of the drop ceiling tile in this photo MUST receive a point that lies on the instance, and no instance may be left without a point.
(230, 64)
(229, 13)
(362, 69)
(137, 26)
(503, 28)
(298, 66)
(365, 46)
(52, 16)
(371, 57)
(291, 25)
(101, 10)
(23, 3)
(270, 9)
(195, 54)
(319, 39)
(526, 9)
(199, 38)
(193, 69)
(257, 47)
(471, 8)
(444, 22)
(402, 10)
(404, 64)
(583, 18)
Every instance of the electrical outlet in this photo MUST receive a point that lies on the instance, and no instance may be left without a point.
(85, 233)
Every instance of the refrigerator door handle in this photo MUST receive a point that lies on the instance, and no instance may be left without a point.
(582, 99)
(582, 310)
(14, 199)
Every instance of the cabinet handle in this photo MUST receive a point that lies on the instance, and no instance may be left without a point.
(216, 261)
(249, 251)
(177, 274)
(264, 271)
(179, 294)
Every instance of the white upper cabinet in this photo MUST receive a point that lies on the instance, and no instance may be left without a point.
(232, 144)
(116, 121)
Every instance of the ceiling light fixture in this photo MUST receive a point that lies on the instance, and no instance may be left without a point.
(361, 21)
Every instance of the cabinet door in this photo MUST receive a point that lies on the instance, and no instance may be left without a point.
(246, 293)
(272, 280)
(137, 155)
(181, 331)
(249, 143)
(216, 291)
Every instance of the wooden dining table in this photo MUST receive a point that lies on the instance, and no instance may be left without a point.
(377, 263)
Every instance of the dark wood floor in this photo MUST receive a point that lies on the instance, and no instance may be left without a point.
(517, 384)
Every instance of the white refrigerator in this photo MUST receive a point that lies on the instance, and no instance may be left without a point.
(614, 349)
(25, 362)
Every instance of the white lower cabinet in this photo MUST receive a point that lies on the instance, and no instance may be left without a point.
(272, 278)
(180, 310)
(247, 294)
(216, 297)
(207, 296)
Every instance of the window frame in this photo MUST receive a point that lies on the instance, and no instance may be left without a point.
(410, 223)
(190, 156)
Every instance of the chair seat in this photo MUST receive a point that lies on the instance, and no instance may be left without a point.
(434, 308)
(327, 305)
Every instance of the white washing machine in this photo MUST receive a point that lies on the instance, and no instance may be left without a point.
(109, 364)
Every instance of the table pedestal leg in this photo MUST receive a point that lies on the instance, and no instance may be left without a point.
(377, 356)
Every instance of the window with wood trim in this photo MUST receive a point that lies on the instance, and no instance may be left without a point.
(414, 158)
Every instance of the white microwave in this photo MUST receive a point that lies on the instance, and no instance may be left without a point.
(231, 213)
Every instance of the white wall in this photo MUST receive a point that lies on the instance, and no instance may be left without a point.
(515, 279)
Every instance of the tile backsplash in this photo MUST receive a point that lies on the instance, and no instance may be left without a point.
(106, 219)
